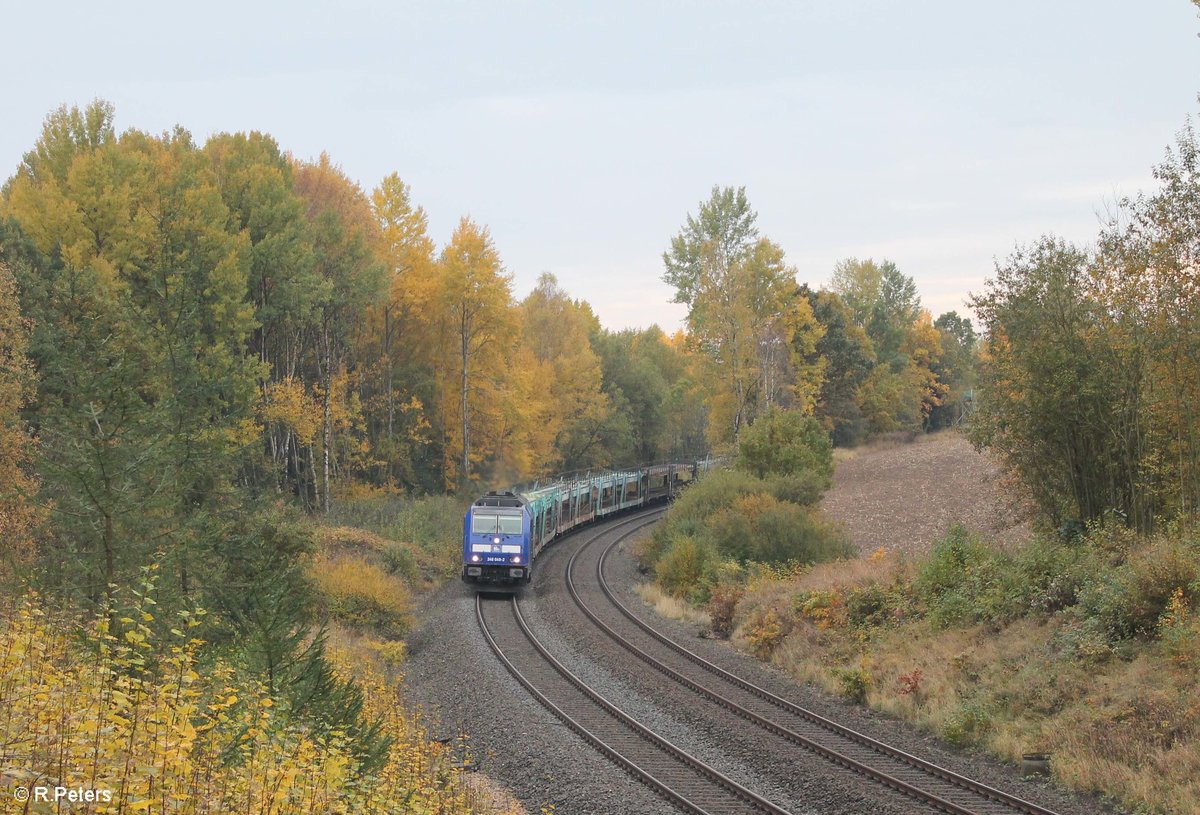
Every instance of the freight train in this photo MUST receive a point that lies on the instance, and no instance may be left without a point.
(503, 532)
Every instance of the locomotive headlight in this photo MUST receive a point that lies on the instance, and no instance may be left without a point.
(495, 540)
(475, 558)
(516, 559)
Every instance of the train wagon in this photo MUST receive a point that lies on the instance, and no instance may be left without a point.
(504, 531)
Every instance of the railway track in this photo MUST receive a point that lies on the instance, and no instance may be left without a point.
(688, 782)
(790, 725)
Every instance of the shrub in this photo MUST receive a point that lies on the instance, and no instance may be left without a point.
(690, 513)
(967, 724)
(964, 581)
(870, 606)
(786, 443)
(1180, 633)
(853, 682)
(1156, 573)
(361, 594)
(909, 684)
(824, 608)
(682, 569)
(804, 488)
(722, 602)
(400, 560)
(788, 532)
(764, 632)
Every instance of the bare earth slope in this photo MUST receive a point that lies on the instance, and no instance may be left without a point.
(904, 496)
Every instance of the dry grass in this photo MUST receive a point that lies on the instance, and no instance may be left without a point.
(1128, 729)
(350, 540)
(668, 606)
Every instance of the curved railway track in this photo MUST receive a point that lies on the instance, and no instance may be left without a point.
(683, 779)
(792, 725)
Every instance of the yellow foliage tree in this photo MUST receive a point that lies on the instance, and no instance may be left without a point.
(478, 381)
(574, 410)
(17, 512)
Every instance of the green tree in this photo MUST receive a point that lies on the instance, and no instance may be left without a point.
(721, 234)
(786, 443)
(741, 315)
(955, 368)
(1046, 393)
(137, 293)
(849, 358)
(255, 181)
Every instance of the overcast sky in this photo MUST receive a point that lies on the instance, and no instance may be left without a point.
(937, 134)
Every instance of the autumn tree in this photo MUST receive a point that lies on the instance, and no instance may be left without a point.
(137, 293)
(577, 415)
(478, 336)
(18, 514)
(343, 230)
(394, 352)
(741, 314)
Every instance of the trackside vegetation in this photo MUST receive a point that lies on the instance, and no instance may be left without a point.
(1087, 648)
(760, 511)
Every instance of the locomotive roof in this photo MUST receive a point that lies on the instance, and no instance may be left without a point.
(500, 499)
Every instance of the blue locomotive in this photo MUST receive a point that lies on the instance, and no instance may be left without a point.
(504, 531)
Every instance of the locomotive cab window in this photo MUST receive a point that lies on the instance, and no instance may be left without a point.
(510, 524)
(483, 524)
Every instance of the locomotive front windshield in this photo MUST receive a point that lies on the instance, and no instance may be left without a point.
(487, 524)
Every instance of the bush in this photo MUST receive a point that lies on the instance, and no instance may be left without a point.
(824, 608)
(682, 569)
(964, 581)
(870, 606)
(690, 512)
(1154, 576)
(722, 602)
(967, 725)
(804, 488)
(400, 560)
(363, 595)
(764, 632)
(791, 533)
(786, 443)
(854, 683)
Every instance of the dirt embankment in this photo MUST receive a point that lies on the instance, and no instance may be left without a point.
(903, 496)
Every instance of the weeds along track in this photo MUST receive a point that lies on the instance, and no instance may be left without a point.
(779, 723)
(684, 780)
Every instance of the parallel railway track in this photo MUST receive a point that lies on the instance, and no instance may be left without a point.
(683, 779)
